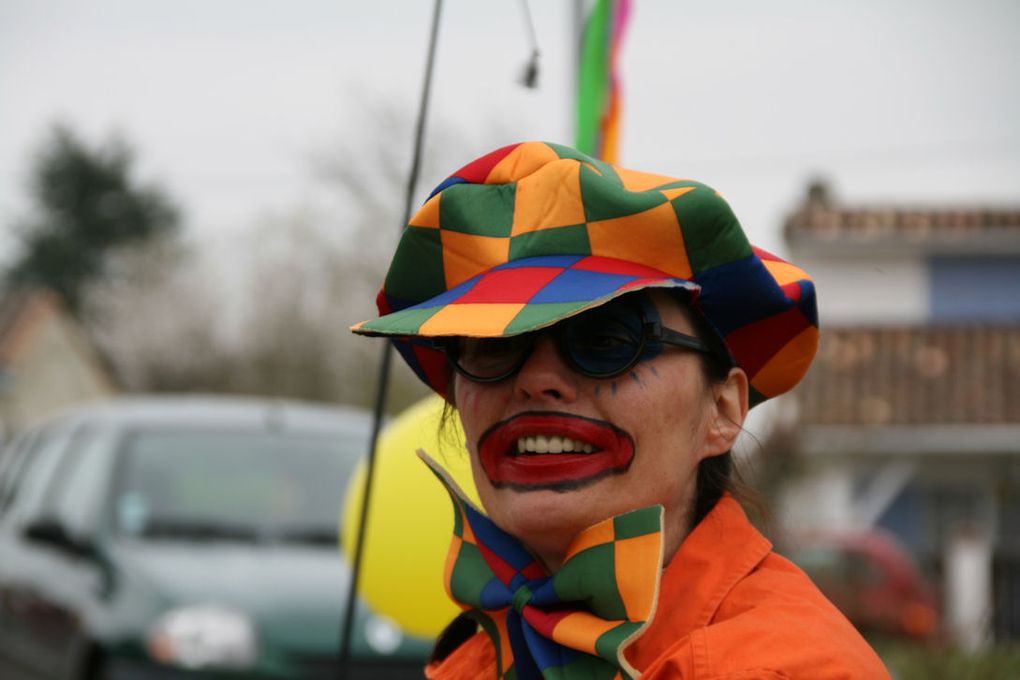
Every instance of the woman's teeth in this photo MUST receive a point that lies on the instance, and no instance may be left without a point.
(544, 444)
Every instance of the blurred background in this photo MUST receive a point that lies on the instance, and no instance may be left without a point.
(202, 197)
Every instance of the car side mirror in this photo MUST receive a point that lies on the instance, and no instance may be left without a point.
(49, 531)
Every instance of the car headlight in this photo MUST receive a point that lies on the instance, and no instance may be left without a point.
(383, 634)
(202, 636)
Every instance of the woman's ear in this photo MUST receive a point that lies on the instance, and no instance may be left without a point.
(728, 412)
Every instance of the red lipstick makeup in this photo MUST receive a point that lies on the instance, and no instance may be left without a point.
(520, 452)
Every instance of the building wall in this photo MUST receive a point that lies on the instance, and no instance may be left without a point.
(905, 288)
(872, 289)
(821, 497)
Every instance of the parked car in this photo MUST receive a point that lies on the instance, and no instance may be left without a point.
(872, 579)
(185, 538)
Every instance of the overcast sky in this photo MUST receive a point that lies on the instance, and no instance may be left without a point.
(903, 101)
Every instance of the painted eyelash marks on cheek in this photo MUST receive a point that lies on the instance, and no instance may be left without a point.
(654, 372)
(613, 387)
(635, 378)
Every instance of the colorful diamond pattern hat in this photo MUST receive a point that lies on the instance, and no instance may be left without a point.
(535, 232)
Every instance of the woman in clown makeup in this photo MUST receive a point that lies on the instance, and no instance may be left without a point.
(602, 334)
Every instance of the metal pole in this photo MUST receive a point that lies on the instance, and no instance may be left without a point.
(384, 366)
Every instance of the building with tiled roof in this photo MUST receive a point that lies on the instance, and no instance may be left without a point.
(46, 361)
(909, 418)
(914, 265)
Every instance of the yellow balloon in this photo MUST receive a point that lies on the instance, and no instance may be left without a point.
(410, 519)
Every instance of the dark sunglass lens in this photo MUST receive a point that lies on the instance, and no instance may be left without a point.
(604, 341)
(490, 358)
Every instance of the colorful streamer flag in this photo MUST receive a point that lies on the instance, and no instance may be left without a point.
(598, 95)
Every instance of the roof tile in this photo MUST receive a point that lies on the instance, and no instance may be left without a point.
(906, 375)
(820, 218)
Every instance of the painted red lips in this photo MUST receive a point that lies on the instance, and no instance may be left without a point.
(613, 451)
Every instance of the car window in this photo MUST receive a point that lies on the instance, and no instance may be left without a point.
(82, 481)
(233, 485)
(41, 463)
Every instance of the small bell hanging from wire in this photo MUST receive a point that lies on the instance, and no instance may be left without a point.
(529, 77)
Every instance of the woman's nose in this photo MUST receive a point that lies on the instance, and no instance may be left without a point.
(544, 375)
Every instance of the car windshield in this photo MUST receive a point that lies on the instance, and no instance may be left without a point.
(233, 486)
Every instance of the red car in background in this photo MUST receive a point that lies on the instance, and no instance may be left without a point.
(872, 578)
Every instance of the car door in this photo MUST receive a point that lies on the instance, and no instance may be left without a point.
(25, 479)
(13, 463)
(59, 583)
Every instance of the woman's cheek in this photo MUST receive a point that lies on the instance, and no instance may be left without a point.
(471, 403)
(478, 406)
(483, 401)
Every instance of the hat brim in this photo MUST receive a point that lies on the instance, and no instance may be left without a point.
(512, 298)
(522, 296)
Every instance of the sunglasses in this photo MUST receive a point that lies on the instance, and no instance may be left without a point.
(604, 342)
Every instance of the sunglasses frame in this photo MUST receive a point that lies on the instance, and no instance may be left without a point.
(650, 331)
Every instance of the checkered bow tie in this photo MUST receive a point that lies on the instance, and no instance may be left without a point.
(574, 624)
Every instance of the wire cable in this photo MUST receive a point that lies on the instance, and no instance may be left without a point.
(385, 363)
(530, 77)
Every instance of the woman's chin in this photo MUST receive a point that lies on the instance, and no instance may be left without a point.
(547, 521)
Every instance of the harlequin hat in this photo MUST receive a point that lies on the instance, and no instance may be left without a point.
(535, 232)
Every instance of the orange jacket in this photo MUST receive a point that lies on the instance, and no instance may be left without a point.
(729, 608)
